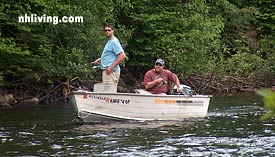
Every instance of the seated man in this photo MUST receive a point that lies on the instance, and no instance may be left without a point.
(155, 80)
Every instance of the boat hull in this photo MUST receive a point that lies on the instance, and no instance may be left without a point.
(94, 107)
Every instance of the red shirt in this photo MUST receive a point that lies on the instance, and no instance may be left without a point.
(152, 75)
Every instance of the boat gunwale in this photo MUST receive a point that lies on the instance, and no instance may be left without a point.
(140, 95)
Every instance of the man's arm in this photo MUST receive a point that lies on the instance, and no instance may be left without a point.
(177, 82)
(97, 61)
(120, 59)
(153, 83)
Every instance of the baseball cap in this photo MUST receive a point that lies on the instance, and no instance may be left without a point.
(161, 61)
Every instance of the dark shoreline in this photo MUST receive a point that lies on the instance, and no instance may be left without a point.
(12, 99)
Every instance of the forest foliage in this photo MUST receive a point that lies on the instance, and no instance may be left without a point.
(214, 39)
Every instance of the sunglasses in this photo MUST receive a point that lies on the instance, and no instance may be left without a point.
(158, 64)
(108, 30)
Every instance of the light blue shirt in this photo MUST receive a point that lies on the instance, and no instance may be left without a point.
(110, 54)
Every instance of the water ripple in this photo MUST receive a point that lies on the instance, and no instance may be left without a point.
(230, 129)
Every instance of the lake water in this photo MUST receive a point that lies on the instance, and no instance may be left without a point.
(232, 128)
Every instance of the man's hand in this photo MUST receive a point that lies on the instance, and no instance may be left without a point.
(179, 90)
(109, 70)
(160, 80)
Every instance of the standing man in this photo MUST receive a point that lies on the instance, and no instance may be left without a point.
(155, 80)
(112, 55)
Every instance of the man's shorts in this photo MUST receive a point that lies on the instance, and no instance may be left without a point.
(112, 78)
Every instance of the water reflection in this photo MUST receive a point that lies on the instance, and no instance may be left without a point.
(160, 125)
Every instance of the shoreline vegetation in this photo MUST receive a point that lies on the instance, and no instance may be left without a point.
(31, 95)
(215, 47)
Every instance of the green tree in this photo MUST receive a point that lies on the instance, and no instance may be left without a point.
(208, 38)
(181, 32)
(61, 51)
(44, 54)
